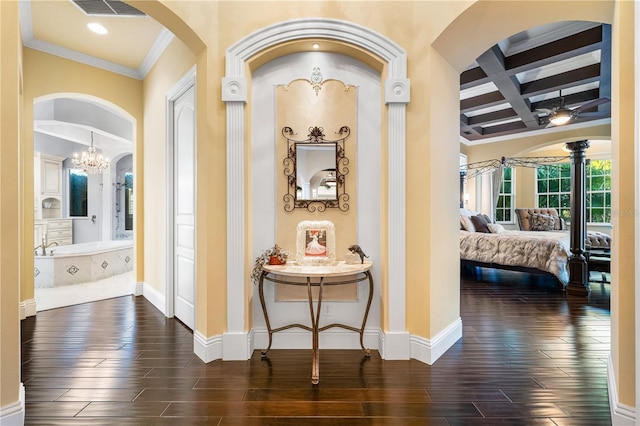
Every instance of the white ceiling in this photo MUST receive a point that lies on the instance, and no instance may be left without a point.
(59, 27)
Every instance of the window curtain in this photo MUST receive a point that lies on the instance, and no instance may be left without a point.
(496, 180)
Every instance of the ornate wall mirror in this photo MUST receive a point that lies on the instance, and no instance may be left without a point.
(315, 168)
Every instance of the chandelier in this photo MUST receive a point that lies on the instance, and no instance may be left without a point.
(90, 161)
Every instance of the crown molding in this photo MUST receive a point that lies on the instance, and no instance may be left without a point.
(28, 40)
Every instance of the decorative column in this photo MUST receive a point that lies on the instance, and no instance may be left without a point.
(463, 176)
(578, 268)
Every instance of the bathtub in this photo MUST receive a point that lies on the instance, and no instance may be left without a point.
(82, 263)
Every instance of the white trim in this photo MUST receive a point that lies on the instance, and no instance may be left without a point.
(429, 350)
(328, 339)
(237, 272)
(236, 346)
(27, 308)
(557, 129)
(207, 349)
(187, 81)
(621, 415)
(138, 288)
(82, 58)
(156, 298)
(396, 96)
(159, 46)
(394, 346)
(28, 40)
(13, 414)
(396, 209)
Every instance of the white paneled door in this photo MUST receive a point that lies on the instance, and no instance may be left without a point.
(184, 207)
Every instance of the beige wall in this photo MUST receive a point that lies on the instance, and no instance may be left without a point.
(174, 63)
(623, 199)
(10, 200)
(525, 177)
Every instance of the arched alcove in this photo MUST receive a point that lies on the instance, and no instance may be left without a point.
(234, 93)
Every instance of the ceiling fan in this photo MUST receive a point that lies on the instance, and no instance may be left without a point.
(559, 115)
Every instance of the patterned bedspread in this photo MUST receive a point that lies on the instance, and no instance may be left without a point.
(546, 251)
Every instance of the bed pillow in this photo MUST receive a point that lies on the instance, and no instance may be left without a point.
(480, 223)
(467, 225)
(496, 228)
(541, 222)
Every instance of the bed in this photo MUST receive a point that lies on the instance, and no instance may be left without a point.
(541, 246)
(545, 253)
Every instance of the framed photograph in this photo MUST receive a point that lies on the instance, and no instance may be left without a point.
(316, 242)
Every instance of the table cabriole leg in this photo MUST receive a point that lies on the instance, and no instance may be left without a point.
(367, 352)
(264, 311)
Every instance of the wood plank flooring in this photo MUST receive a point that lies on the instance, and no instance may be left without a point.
(529, 355)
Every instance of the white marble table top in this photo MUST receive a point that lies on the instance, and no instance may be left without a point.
(337, 269)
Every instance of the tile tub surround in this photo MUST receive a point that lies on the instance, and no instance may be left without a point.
(82, 263)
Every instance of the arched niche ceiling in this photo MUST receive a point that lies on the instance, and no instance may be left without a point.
(74, 119)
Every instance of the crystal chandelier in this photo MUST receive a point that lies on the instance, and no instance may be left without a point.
(90, 161)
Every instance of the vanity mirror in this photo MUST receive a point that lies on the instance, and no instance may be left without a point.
(315, 168)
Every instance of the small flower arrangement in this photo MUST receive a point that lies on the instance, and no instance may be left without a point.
(271, 256)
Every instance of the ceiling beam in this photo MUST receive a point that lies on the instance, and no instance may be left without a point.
(492, 63)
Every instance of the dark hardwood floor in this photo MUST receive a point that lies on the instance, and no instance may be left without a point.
(529, 355)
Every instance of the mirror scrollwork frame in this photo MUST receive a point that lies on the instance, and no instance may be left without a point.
(316, 139)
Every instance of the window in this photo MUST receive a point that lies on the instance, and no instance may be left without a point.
(128, 201)
(599, 191)
(77, 193)
(504, 209)
(554, 189)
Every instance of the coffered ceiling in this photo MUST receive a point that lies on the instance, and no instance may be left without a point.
(513, 87)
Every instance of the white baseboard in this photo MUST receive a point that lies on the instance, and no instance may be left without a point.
(429, 350)
(13, 414)
(138, 289)
(27, 308)
(236, 346)
(621, 414)
(394, 345)
(156, 298)
(329, 339)
(207, 349)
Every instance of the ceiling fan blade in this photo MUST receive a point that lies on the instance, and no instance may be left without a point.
(594, 115)
(592, 104)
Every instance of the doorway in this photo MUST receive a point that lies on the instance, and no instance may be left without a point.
(181, 291)
(78, 257)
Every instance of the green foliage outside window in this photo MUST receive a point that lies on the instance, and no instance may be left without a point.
(504, 209)
(553, 183)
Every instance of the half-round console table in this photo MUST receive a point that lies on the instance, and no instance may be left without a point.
(315, 276)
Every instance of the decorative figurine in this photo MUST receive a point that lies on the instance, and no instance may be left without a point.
(355, 249)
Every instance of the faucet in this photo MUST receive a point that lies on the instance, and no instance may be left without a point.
(44, 246)
(53, 243)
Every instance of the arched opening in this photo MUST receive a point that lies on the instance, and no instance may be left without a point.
(83, 226)
(481, 14)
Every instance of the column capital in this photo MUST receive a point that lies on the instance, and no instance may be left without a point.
(578, 145)
(397, 90)
(234, 89)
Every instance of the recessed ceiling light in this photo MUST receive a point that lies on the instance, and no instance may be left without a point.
(315, 46)
(97, 28)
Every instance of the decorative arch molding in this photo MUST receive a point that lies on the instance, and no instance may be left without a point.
(90, 98)
(236, 342)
